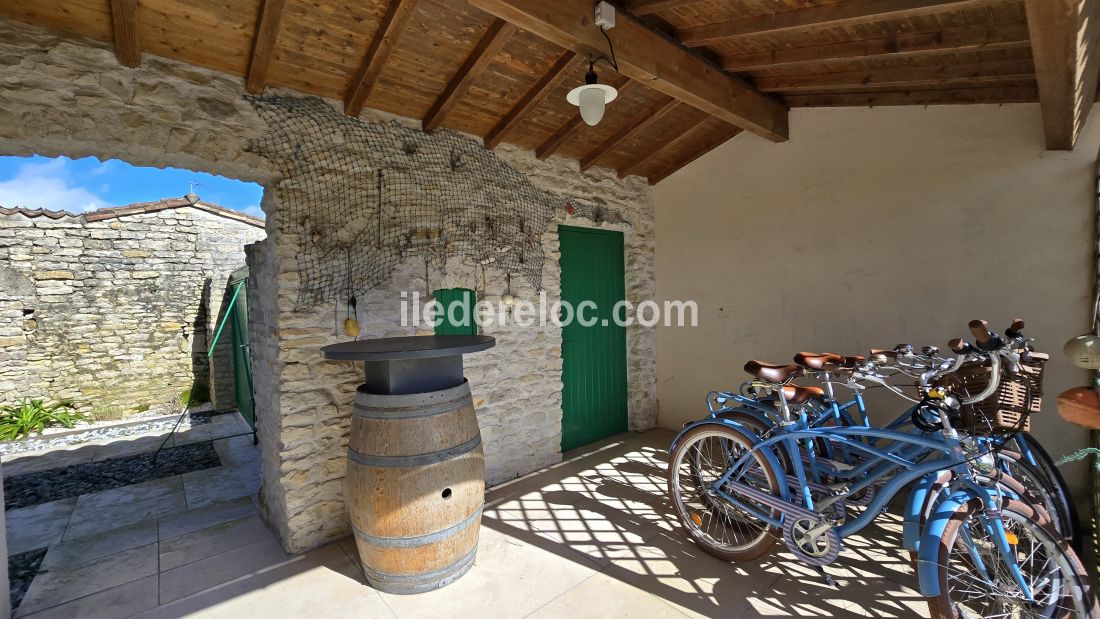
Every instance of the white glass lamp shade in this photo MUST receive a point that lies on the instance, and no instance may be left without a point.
(1084, 351)
(593, 100)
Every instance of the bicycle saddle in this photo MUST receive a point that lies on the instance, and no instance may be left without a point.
(817, 361)
(797, 396)
(773, 373)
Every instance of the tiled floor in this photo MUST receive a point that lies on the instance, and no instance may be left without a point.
(591, 537)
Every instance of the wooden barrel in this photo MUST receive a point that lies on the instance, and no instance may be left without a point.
(415, 487)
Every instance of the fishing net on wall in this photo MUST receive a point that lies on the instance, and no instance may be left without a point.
(364, 197)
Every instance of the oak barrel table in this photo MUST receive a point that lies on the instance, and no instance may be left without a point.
(416, 469)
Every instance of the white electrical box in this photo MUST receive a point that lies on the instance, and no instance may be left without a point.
(605, 15)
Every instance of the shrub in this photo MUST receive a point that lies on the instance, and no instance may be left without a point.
(32, 416)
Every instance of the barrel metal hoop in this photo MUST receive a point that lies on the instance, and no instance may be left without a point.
(419, 540)
(410, 413)
(418, 583)
(417, 460)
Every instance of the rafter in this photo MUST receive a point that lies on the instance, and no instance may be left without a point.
(263, 45)
(487, 48)
(1012, 94)
(649, 57)
(536, 95)
(648, 7)
(1001, 36)
(633, 127)
(381, 47)
(710, 143)
(686, 134)
(963, 75)
(125, 25)
(839, 14)
(1065, 37)
(575, 122)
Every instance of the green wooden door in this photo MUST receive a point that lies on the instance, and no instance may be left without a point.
(593, 357)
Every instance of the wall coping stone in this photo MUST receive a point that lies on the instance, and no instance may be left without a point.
(137, 208)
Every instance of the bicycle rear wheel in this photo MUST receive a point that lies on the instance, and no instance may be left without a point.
(701, 458)
(1050, 497)
(1049, 567)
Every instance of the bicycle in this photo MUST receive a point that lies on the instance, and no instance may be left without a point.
(734, 496)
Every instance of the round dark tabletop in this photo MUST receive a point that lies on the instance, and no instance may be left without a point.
(411, 347)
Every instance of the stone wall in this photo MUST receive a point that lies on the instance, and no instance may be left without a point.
(112, 310)
(64, 98)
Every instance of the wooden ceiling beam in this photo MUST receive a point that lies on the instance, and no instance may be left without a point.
(963, 75)
(378, 53)
(1013, 94)
(649, 57)
(536, 95)
(575, 122)
(125, 25)
(686, 134)
(815, 17)
(476, 63)
(710, 143)
(633, 127)
(1001, 36)
(1064, 40)
(263, 45)
(649, 7)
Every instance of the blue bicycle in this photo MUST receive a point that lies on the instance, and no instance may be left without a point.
(740, 486)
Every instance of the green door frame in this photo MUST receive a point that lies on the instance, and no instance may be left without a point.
(594, 375)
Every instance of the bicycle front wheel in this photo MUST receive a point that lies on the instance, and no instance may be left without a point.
(975, 580)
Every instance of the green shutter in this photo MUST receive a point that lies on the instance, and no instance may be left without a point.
(465, 324)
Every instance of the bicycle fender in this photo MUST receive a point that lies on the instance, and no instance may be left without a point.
(772, 461)
(914, 507)
(928, 554)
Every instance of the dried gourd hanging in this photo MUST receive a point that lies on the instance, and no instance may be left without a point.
(351, 324)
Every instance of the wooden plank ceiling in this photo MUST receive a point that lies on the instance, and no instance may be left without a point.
(695, 73)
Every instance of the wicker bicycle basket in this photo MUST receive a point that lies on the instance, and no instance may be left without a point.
(1009, 409)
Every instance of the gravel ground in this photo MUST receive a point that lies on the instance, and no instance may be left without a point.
(56, 484)
(22, 568)
(98, 432)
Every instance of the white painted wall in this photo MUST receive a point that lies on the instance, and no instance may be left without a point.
(872, 227)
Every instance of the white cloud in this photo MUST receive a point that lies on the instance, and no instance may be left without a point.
(253, 210)
(47, 185)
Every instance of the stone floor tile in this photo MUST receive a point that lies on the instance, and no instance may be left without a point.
(212, 541)
(607, 598)
(511, 577)
(693, 582)
(76, 552)
(219, 569)
(207, 516)
(21, 464)
(53, 588)
(134, 492)
(118, 602)
(238, 451)
(91, 520)
(220, 484)
(321, 583)
(39, 525)
(121, 448)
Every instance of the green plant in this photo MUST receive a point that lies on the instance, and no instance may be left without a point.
(142, 407)
(32, 416)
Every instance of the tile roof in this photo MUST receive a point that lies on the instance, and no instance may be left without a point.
(116, 212)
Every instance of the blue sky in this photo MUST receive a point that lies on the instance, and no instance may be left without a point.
(79, 185)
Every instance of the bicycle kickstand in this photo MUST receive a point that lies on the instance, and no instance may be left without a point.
(829, 582)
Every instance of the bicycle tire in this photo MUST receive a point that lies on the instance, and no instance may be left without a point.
(1049, 469)
(1068, 596)
(714, 511)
